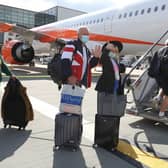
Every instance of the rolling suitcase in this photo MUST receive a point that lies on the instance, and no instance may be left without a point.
(16, 108)
(106, 131)
(68, 131)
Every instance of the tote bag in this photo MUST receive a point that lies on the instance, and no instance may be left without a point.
(111, 104)
(71, 99)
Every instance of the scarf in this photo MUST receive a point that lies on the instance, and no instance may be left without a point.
(117, 75)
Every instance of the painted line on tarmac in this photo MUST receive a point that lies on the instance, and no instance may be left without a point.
(88, 132)
(141, 156)
(51, 111)
(46, 108)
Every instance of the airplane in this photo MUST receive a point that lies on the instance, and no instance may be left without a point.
(137, 26)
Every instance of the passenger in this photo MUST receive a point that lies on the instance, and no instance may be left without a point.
(162, 79)
(4, 68)
(79, 71)
(110, 80)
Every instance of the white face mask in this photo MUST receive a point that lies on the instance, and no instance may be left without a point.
(112, 55)
(84, 38)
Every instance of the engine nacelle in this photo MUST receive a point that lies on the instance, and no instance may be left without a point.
(16, 52)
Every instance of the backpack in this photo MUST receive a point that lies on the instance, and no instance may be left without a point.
(164, 63)
(54, 68)
(154, 68)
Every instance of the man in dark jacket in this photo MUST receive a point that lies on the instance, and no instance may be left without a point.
(162, 79)
(77, 60)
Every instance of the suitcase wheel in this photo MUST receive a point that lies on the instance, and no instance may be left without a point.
(74, 149)
(19, 129)
(23, 128)
(9, 126)
(56, 148)
(95, 146)
(5, 125)
(113, 149)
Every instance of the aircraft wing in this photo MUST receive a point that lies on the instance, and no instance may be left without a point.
(43, 35)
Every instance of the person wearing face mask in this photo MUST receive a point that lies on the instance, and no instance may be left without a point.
(77, 60)
(111, 100)
(110, 80)
(76, 64)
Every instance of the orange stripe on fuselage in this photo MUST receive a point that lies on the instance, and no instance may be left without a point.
(99, 37)
(50, 36)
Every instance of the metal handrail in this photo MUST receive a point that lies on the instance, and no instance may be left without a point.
(146, 53)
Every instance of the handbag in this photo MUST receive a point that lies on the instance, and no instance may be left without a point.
(111, 104)
(71, 99)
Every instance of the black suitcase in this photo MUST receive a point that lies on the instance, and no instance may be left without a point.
(68, 131)
(106, 131)
(13, 106)
(13, 116)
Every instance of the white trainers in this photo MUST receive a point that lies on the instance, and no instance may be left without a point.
(157, 98)
(161, 114)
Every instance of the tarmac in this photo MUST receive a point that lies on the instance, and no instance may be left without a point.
(33, 148)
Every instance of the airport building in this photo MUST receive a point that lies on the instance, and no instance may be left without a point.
(63, 13)
(30, 19)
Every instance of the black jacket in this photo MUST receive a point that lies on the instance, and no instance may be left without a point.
(106, 80)
(162, 77)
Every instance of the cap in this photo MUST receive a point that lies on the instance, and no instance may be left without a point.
(117, 44)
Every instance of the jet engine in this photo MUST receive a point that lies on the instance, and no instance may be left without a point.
(17, 52)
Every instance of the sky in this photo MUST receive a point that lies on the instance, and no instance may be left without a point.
(83, 5)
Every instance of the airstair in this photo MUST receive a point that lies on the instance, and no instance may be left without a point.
(144, 88)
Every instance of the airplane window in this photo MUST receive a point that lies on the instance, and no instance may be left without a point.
(142, 11)
(94, 21)
(91, 22)
(120, 16)
(163, 7)
(125, 15)
(130, 14)
(101, 19)
(156, 9)
(97, 20)
(136, 12)
(87, 22)
(149, 10)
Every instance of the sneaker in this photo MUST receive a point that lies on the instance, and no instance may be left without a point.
(161, 114)
(157, 98)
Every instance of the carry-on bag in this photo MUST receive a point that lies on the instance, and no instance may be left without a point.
(106, 131)
(16, 108)
(68, 130)
(111, 104)
(71, 99)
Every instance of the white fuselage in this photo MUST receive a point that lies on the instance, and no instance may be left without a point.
(128, 23)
